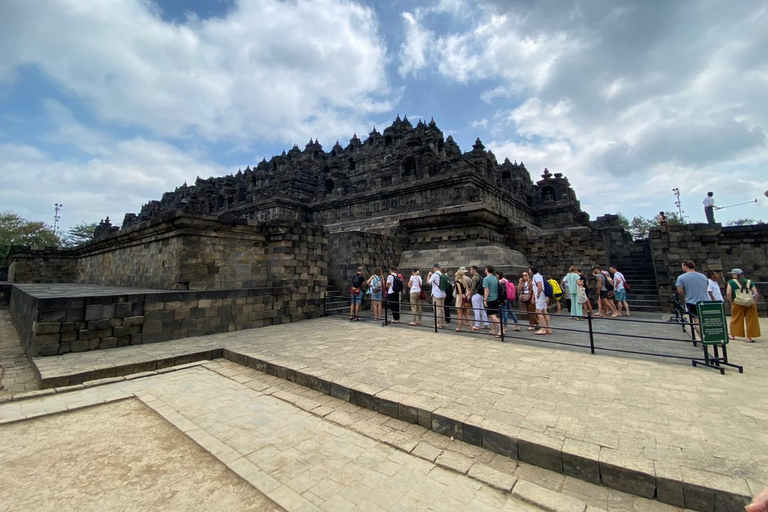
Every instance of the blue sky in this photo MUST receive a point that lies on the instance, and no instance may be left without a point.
(106, 105)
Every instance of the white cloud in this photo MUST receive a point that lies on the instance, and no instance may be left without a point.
(413, 51)
(269, 69)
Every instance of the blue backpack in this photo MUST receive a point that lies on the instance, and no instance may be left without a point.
(548, 291)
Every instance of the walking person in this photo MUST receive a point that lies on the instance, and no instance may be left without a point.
(586, 306)
(574, 283)
(525, 287)
(477, 300)
(506, 307)
(709, 208)
(376, 285)
(619, 291)
(415, 286)
(394, 288)
(540, 301)
(714, 286)
(693, 286)
(742, 295)
(438, 295)
(463, 285)
(356, 294)
(604, 303)
(491, 299)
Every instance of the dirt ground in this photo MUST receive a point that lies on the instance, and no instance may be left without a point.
(119, 456)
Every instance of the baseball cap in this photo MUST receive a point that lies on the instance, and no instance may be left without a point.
(737, 271)
(436, 265)
(359, 269)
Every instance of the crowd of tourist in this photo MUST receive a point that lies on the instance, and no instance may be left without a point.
(487, 299)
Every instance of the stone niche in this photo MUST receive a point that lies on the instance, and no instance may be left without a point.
(187, 251)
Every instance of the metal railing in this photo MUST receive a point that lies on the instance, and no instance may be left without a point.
(598, 330)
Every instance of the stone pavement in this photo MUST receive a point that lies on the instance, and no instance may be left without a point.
(296, 458)
(16, 375)
(688, 436)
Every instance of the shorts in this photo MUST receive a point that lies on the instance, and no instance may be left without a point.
(620, 295)
(375, 295)
(558, 296)
(356, 298)
(604, 294)
(493, 307)
(541, 302)
(692, 309)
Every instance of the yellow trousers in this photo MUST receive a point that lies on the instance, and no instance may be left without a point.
(740, 314)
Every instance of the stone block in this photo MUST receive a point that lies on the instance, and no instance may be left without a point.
(337, 390)
(447, 426)
(68, 337)
(424, 418)
(407, 413)
(94, 312)
(57, 315)
(86, 334)
(115, 322)
(627, 472)
(123, 309)
(108, 311)
(473, 434)
(385, 406)
(540, 450)
(669, 483)
(361, 398)
(136, 339)
(67, 327)
(99, 324)
(110, 342)
(503, 443)
(492, 477)
(75, 315)
(47, 339)
(47, 327)
(581, 460)
(79, 346)
(133, 321)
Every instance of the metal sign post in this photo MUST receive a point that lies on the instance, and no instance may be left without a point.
(714, 333)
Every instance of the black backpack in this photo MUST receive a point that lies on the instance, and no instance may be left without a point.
(397, 284)
(608, 285)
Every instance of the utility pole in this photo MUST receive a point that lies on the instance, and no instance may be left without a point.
(678, 203)
(57, 217)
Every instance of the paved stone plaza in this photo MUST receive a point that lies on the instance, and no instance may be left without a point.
(643, 426)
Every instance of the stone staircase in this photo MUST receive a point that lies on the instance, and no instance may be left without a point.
(644, 296)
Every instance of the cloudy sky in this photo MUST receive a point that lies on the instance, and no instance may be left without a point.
(106, 105)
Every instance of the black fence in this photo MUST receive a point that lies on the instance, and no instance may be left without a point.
(675, 338)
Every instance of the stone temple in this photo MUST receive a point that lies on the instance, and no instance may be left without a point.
(262, 246)
(408, 195)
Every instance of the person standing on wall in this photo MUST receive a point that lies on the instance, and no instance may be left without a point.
(742, 294)
(438, 295)
(709, 208)
(356, 294)
(415, 286)
(394, 288)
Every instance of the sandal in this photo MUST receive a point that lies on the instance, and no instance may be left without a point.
(516, 329)
(541, 332)
(531, 328)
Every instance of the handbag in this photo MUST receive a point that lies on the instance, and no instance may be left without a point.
(423, 295)
(744, 296)
(526, 297)
(353, 290)
(582, 295)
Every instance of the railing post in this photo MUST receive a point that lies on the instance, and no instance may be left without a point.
(591, 333)
(501, 320)
(434, 313)
(385, 298)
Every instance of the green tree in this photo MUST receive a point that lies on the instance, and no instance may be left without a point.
(743, 222)
(15, 230)
(79, 234)
(639, 225)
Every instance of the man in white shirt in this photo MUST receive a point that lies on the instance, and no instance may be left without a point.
(438, 295)
(619, 291)
(709, 208)
(541, 301)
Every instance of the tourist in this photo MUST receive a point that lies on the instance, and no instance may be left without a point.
(604, 303)
(574, 283)
(477, 300)
(506, 307)
(742, 295)
(587, 306)
(693, 286)
(414, 285)
(619, 291)
(525, 288)
(557, 292)
(375, 286)
(491, 299)
(463, 286)
(713, 289)
(438, 295)
(709, 208)
(356, 294)
(541, 301)
(394, 288)
(449, 298)
(566, 292)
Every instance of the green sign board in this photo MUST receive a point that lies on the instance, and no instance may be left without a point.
(714, 330)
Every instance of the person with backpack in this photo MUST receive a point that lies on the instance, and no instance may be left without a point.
(604, 302)
(541, 300)
(742, 295)
(491, 300)
(356, 294)
(436, 279)
(376, 285)
(477, 300)
(394, 289)
(463, 286)
(507, 296)
(557, 292)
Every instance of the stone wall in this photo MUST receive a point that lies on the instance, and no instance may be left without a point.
(51, 326)
(187, 251)
(554, 252)
(711, 248)
(349, 250)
